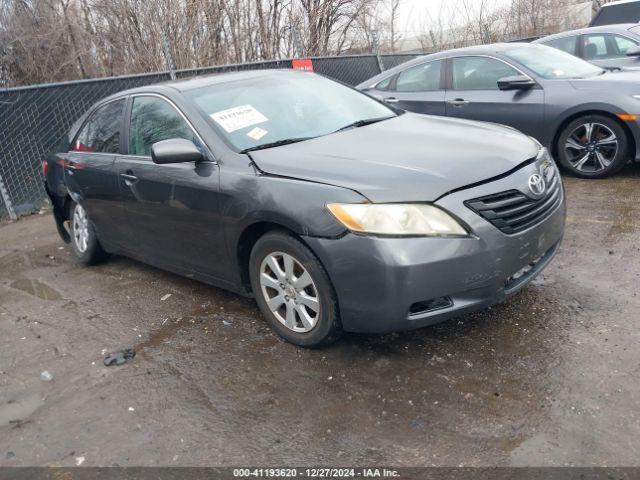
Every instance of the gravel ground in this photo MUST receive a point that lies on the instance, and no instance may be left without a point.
(549, 377)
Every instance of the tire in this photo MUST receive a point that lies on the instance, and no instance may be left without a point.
(285, 273)
(84, 241)
(593, 146)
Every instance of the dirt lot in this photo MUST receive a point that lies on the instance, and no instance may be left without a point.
(549, 378)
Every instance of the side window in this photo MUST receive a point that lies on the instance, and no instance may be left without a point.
(152, 120)
(597, 46)
(102, 132)
(623, 44)
(421, 78)
(566, 44)
(479, 73)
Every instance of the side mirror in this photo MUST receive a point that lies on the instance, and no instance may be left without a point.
(516, 82)
(633, 51)
(175, 150)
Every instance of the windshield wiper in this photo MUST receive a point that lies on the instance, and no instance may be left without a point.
(362, 123)
(277, 143)
(287, 141)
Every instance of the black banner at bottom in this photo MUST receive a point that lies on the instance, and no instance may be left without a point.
(427, 473)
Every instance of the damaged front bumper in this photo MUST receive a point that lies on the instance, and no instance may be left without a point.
(391, 284)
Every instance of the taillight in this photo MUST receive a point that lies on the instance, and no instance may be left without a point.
(45, 168)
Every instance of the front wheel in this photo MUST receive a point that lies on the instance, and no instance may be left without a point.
(593, 146)
(84, 241)
(293, 291)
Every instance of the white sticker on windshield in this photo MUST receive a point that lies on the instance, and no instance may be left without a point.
(236, 118)
(257, 133)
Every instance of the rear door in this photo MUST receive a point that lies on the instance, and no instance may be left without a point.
(419, 89)
(475, 95)
(172, 209)
(89, 168)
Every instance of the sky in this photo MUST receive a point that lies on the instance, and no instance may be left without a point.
(414, 13)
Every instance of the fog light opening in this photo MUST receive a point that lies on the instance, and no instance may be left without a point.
(420, 308)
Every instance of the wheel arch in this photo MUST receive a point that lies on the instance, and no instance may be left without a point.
(592, 111)
(248, 238)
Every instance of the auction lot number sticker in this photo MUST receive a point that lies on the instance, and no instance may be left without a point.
(237, 118)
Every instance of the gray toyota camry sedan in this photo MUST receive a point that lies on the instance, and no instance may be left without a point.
(334, 211)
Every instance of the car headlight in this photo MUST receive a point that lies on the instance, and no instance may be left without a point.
(396, 219)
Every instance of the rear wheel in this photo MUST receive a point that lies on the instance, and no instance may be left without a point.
(593, 146)
(84, 240)
(293, 291)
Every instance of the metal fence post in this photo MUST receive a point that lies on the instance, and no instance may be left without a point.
(7, 201)
(376, 49)
(168, 57)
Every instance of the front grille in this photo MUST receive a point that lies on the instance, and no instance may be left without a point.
(513, 211)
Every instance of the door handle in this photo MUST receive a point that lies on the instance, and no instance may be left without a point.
(129, 179)
(458, 102)
(391, 100)
(69, 164)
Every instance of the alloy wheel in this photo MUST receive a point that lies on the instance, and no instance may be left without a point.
(289, 292)
(591, 147)
(80, 228)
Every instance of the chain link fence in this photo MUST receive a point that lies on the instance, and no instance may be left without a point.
(34, 119)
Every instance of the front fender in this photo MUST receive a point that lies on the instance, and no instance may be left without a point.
(297, 205)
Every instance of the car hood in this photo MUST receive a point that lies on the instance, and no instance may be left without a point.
(613, 80)
(408, 158)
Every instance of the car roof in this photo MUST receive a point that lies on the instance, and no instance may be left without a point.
(477, 49)
(192, 83)
(228, 77)
(617, 28)
(488, 49)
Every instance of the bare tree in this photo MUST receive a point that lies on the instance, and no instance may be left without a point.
(51, 40)
(394, 11)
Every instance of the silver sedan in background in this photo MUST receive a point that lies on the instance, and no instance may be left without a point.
(608, 46)
(586, 116)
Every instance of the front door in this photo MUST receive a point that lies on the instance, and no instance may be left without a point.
(475, 95)
(172, 209)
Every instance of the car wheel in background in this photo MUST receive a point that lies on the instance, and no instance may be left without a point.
(84, 240)
(294, 291)
(593, 146)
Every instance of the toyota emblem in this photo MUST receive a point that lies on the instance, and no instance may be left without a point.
(537, 184)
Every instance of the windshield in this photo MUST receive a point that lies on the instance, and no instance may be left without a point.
(551, 63)
(285, 106)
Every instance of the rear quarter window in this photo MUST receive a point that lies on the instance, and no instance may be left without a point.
(384, 84)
